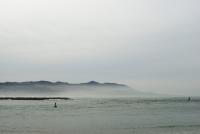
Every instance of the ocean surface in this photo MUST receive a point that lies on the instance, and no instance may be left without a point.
(101, 116)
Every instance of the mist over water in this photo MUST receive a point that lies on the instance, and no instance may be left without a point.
(61, 89)
(74, 92)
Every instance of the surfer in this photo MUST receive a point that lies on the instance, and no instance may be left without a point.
(55, 105)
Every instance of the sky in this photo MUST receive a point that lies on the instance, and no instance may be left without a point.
(150, 45)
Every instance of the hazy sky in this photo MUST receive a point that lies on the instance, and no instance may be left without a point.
(151, 45)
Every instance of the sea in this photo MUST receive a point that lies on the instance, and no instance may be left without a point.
(174, 115)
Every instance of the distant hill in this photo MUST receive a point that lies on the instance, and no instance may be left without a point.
(47, 88)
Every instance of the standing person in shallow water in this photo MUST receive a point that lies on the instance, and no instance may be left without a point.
(55, 105)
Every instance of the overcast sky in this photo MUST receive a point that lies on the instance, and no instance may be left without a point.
(151, 45)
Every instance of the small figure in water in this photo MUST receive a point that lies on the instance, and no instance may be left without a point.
(189, 98)
(55, 105)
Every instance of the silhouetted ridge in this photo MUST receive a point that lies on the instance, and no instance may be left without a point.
(94, 83)
(57, 83)
(33, 83)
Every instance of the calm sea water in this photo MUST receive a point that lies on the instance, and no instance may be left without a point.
(101, 116)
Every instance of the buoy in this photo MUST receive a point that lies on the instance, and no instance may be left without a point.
(55, 105)
(189, 98)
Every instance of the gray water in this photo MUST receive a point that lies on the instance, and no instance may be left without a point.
(101, 116)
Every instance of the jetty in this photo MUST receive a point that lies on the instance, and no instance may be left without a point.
(34, 98)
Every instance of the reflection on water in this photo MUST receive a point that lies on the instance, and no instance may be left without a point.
(101, 116)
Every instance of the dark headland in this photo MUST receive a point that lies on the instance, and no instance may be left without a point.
(58, 83)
